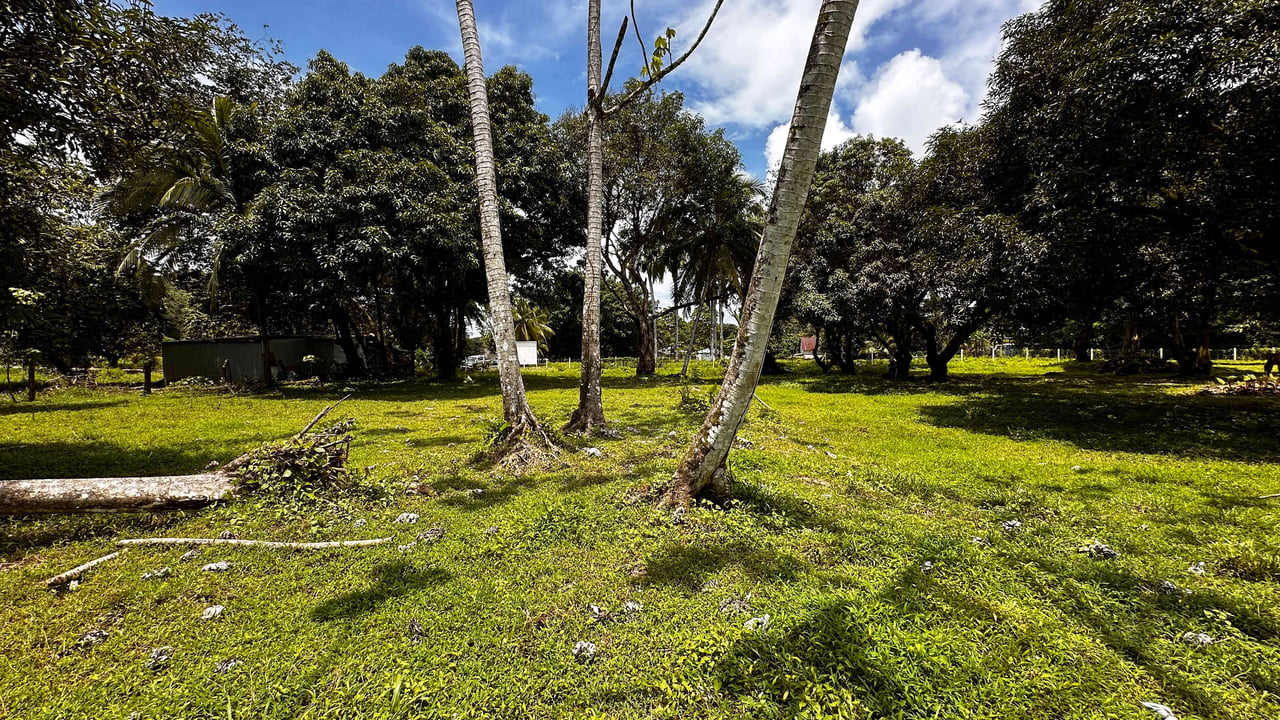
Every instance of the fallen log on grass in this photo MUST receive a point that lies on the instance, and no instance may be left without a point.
(113, 495)
(178, 492)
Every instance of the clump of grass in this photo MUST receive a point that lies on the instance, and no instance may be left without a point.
(1249, 560)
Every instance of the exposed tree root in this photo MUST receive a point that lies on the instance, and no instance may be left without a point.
(684, 489)
(521, 448)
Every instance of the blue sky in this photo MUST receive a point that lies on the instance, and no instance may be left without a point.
(912, 65)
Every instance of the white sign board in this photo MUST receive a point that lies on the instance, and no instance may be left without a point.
(527, 352)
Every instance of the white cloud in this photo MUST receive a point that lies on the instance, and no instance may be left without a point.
(748, 68)
(833, 134)
(910, 97)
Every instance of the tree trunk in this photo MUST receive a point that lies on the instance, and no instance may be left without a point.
(693, 341)
(817, 348)
(589, 415)
(1204, 361)
(1082, 344)
(111, 495)
(147, 367)
(515, 406)
(645, 362)
(703, 468)
(900, 357)
(346, 339)
(1130, 344)
(268, 358)
(771, 366)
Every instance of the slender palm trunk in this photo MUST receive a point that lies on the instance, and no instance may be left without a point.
(703, 467)
(589, 417)
(515, 407)
(693, 339)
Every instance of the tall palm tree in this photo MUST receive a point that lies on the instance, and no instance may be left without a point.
(186, 184)
(589, 415)
(709, 264)
(531, 322)
(703, 467)
(515, 405)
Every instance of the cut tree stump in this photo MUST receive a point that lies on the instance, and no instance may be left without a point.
(112, 495)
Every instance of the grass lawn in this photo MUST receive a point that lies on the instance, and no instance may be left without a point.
(915, 548)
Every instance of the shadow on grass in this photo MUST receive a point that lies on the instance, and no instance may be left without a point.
(457, 491)
(1142, 614)
(24, 408)
(1119, 417)
(767, 502)
(24, 534)
(687, 566)
(101, 458)
(390, 580)
(889, 653)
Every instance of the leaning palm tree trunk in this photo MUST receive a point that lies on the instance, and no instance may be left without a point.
(703, 467)
(515, 406)
(589, 416)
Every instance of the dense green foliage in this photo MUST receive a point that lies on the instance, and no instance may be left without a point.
(482, 622)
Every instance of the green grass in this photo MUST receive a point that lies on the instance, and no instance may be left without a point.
(1011, 625)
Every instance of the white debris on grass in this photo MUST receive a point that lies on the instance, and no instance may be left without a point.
(407, 518)
(1098, 550)
(220, 566)
(159, 658)
(432, 535)
(93, 637)
(361, 523)
(1196, 568)
(1011, 526)
(189, 555)
(584, 652)
(1164, 711)
(738, 605)
(158, 574)
(1077, 468)
(227, 665)
(926, 567)
(1198, 639)
(757, 623)
(632, 607)
(677, 515)
(600, 614)
(213, 612)
(594, 452)
(831, 455)
(979, 542)
(407, 546)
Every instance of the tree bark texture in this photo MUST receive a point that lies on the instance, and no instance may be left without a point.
(589, 416)
(703, 467)
(112, 495)
(515, 406)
